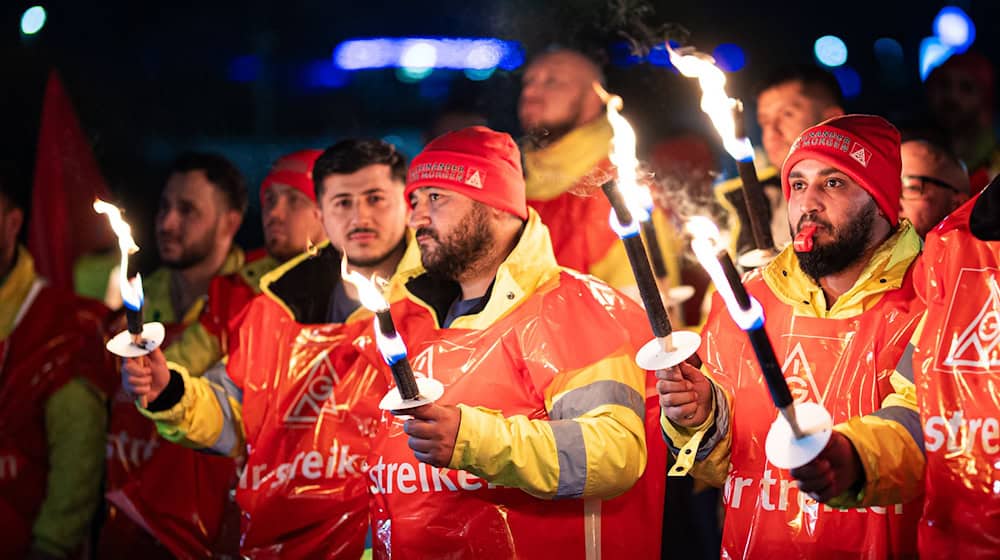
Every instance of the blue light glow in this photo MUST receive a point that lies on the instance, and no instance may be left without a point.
(244, 69)
(830, 51)
(954, 28)
(888, 51)
(729, 57)
(417, 56)
(33, 20)
(658, 56)
(849, 80)
(932, 54)
(325, 74)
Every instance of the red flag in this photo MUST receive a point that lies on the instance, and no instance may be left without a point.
(63, 223)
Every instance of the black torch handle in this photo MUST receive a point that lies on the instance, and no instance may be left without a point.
(655, 253)
(134, 320)
(775, 380)
(733, 277)
(644, 279)
(756, 204)
(405, 382)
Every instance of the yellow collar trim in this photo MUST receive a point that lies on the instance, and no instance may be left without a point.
(553, 170)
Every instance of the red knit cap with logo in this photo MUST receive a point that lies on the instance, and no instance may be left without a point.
(480, 163)
(294, 170)
(865, 147)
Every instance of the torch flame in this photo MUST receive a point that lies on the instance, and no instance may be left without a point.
(714, 101)
(705, 245)
(369, 290)
(623, 146)
(131, 291)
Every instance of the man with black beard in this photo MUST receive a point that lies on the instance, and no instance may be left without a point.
(541, 420)
(565, 163)
(840, 307)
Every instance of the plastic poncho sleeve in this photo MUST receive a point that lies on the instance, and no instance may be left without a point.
(592, 445)
(75, 421)
(702, 451)
(196, 349)
(204, 413)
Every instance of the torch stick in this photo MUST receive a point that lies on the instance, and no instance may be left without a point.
(409, 392)
(139, 339)
(402, 373)
(636, 251)
(753, 193)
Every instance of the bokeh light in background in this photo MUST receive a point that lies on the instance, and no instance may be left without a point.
(729, 57)
(416, 58)
(33, 20)
(954, 28)
(932, 54)
(830, 51)
(849, 80)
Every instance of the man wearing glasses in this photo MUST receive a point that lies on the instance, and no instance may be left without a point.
(935, 183)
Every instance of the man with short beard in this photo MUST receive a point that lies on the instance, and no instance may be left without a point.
(935, 183)
(536, 448)
(201, 208)
(840, 308)
(565, 163)
(289, 401)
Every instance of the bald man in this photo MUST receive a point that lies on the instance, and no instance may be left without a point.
(565, 163)
(935, 183)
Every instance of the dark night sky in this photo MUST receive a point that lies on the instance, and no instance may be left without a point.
(151, 78)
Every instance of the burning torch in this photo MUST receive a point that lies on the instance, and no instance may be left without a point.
(802, 430)
(630, 206)
(138, 339)
(409, 392)
(726, 115)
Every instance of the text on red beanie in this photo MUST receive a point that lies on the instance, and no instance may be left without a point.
(865, 147)
(480, 163)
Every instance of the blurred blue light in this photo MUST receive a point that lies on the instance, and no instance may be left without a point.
(729, 57)
(954, 28)
(658, 56)
(932, 54)
(849, 80)
(417, 55)
(830, 51)
(622, 54)
(33, 20)
(478, 75)
(325, 74)
(888, 51)
(244, 69)
(412, 75)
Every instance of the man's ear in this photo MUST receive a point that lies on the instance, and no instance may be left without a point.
(231, 221)
(13, 223)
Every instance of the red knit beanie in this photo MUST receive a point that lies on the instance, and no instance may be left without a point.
(477, 162)
(865, 147)
(294, 170)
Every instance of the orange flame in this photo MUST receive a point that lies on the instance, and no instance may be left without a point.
(369, 290)
(623, 148)
(131, 292)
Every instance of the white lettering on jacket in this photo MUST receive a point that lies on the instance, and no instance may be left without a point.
(409, 478)
(777, 495)
(958, 434)
(308, 465)
(130, 450)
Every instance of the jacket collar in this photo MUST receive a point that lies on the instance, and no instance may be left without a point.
(530, 265)
(15, 289)
(885, 271)
(552, 170)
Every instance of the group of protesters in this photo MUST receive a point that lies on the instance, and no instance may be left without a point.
(256, 428)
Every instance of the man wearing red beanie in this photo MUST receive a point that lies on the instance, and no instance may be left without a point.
(288, 400)
(840, 309)
(536, 446)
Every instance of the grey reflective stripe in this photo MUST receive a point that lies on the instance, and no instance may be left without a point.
(224, 388)
(579, 401)
(905, 365)
(909, 419)
(572, 453)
